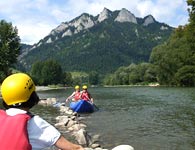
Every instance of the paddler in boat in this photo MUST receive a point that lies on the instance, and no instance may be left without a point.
(75, 96)
(85, 95)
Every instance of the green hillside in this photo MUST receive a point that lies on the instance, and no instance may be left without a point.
(103, 48)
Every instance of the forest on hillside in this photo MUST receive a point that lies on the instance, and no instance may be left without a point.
(171, 63)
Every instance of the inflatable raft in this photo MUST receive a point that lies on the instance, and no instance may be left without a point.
(82, 106)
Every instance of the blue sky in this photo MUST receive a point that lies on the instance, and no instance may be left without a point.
(36, 18)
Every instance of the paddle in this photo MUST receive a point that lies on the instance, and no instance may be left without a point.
(96, 108)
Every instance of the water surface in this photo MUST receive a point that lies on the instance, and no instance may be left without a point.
(155, 118)
(148, 118)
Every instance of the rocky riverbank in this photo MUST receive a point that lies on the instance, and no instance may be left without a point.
(71, 122)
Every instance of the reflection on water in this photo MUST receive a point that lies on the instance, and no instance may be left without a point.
(155, 118)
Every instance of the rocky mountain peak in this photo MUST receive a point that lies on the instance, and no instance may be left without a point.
(105, 14)
(126, 16)
(60, 28)
(80, 23)
(86, 21)
(83, 22)
(148, 20)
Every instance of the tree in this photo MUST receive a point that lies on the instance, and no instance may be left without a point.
(186, 76)
(36, 72)
(133, 74)
(67, 78)
(47, 72)
(174, 60)
(191, 11)
(191, 26)
(9, 46)
(93, 78)
(150, 74)
(51, 72)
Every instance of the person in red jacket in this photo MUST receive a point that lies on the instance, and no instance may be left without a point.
(85, 95)
(75, 96)
(19, 96)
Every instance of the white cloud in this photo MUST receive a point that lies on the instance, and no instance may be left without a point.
(36, 18)
(31, 34)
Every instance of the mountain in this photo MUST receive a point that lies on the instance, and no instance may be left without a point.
(99, 43)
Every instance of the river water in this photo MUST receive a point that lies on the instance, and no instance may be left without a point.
(148, 118)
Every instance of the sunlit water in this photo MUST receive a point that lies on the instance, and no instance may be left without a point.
(148, 118)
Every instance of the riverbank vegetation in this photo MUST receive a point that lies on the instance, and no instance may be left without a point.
(171, 63)
(9, 47)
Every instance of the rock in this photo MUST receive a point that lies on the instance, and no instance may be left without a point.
(69, 112)
(83, 22)
(105, 14)
(70, 123)
(64, 120)
(75, 114)
(126, 16)
(42, 102)
(95, 138)
(148, 20)
(51, 101)
(81, 137)
(88, 149)
(96, 145)
(64, 108)
(76, 127)
(83, 125)
(73, 117)
(123, 147)
(59, 125)
(48, 102)
(98, 148)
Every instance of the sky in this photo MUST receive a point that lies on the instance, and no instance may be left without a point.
(35, 19)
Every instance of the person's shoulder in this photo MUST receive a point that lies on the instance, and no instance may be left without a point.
(38, 121)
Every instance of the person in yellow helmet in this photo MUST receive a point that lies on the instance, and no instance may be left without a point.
(75, 96)
(18, 93)
(85, 95)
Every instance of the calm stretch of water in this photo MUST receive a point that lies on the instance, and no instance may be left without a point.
(148, 118)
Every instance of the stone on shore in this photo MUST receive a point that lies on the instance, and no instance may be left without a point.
(123, 147)
(71, 121)
(47, 102)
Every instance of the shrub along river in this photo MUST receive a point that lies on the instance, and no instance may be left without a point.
(153, 118)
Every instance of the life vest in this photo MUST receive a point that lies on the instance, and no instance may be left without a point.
(13, 132)
(85, 96)
(77, 95)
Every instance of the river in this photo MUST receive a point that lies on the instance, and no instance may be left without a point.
(147, 118)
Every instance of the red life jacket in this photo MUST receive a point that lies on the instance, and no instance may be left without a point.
(85, 96)
(13, 132)
(77, 95)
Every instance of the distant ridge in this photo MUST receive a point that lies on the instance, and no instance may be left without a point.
(101, 43)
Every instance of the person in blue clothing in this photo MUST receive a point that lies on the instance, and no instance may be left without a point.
(19, 96)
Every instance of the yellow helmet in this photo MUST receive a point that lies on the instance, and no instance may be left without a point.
(84, 87)
(76, 87)
(17, 88)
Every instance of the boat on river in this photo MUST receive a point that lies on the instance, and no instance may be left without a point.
(82, 106)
